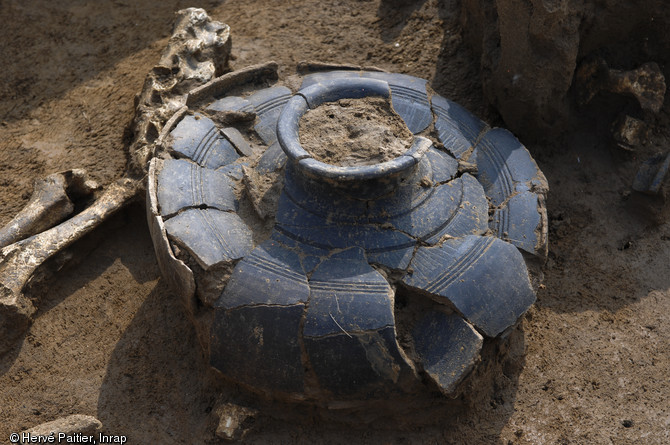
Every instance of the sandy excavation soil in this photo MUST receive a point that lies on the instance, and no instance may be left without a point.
(110, 340)
(353, 132)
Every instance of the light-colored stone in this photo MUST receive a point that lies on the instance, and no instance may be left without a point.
(76, 424)
(234, 421)
(629, 132)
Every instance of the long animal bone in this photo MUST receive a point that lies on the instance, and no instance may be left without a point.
(19, 261)
(645, 83)
(197, 52)
(50, 204)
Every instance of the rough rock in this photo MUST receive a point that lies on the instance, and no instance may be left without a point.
(234, 421)
(629, 132)
(70, 425)
(528, 57)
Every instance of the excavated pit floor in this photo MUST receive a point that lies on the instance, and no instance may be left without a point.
(108, 330)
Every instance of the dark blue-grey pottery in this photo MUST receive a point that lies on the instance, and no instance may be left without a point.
(302, 304)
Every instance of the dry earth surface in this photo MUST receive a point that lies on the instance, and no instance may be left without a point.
(111, 340)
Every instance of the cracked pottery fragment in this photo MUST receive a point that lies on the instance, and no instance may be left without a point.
(313, 254)
(484, 278)
(267, 105)
(458, 129)
(652, 174)
(448, 346)
(183, 184)
(210, 235)
(198, 138)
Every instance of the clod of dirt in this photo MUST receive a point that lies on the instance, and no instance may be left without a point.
(263, 191)
(354, 132)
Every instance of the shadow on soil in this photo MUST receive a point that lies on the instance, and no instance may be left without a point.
(96, 37)
(156, 388)
(85, 261)
(456, 76)
(608, 244)
(394, 15)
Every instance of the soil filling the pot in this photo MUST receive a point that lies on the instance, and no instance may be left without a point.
(354, 132)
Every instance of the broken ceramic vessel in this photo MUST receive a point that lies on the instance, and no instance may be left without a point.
(300, 301)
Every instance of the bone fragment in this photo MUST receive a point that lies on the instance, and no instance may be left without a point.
(645, 83)
(50, 203)
(19, 261)
(221, 85)
(309, 66)
(197, 51)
